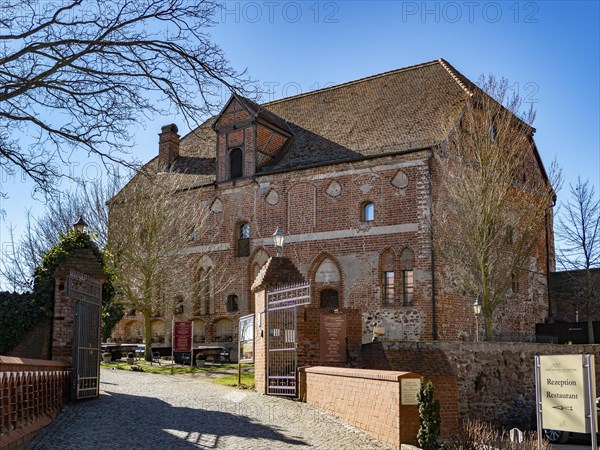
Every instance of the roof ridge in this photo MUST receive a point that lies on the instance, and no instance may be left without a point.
(456, 75)
(348, 83)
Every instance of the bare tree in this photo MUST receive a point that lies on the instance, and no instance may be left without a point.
(153, 222)
(490, 213)
(77, 75)
(87, 199)
(578, 233)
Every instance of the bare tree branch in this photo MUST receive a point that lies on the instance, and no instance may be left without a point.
(578, 233)
(77, 75)
(21, 257)
(152, 222)
(491, 211)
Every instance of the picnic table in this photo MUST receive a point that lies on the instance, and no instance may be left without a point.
(210, 351)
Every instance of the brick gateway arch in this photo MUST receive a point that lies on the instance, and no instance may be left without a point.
(76, 325)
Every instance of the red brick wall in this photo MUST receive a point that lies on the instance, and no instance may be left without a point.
(368, 399)
(31, 394)
(434, 366)
(321, 222)
(309, 338)
(260, 346)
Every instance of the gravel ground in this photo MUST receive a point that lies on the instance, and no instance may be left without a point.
(149, 411)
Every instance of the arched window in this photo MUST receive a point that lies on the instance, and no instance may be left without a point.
(243, 241)
(329, 298)
(388, 269)
(232, 303)
(236, 167)
(204, 303)
(223, 330)
(199, 327)
(368, 212)
(408, 280)
(179, 308)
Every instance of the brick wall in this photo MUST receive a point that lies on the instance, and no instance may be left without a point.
(319, 210)
(367, 399)
(31, 394)
(260, 345)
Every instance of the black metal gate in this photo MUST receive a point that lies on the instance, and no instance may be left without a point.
(282, 358)
(87, 295)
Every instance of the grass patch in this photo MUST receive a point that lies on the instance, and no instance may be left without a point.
(163, 369)
(166, 369)
(247, 381)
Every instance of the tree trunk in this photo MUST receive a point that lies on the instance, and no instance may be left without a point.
(589, 293)
(590, 329)
(148, 335)
(489, 331)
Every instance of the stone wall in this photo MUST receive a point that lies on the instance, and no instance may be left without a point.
(493, 381)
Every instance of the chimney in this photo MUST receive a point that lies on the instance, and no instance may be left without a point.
(168, 146)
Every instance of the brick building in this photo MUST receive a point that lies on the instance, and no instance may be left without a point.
(346, 173)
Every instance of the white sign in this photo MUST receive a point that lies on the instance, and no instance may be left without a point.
(566, 392)
(409, 388)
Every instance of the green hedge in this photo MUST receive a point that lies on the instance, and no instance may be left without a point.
(20, 312)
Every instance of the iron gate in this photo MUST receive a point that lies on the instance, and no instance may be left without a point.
(87, 295)
(282, 360)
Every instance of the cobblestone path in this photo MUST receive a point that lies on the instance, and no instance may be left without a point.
(148, 411)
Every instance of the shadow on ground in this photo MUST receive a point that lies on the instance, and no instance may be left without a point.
(141, 420)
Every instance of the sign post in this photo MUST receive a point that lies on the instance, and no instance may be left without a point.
(245, 343)
(183, 333)
(565, 394)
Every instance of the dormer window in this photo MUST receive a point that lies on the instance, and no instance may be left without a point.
(236, 159)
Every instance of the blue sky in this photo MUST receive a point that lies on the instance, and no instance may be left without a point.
(549, 51)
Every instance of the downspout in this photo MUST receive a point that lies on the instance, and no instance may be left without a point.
(433, 316)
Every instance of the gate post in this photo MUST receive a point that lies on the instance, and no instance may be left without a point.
(278, 271)
(67, 311)
(260, 342)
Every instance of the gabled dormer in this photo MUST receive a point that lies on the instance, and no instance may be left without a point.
(248, 138)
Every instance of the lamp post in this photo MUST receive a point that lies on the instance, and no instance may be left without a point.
(80, 226)
(278, 239)
(477, 311)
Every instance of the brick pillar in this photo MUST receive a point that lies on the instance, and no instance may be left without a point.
(278, 271)
(62, 325)
(260, 343)
(84, 261)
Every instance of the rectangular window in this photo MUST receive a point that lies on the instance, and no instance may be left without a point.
(514, 283)
(409, 286)
(389, 288)
(232, 303)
